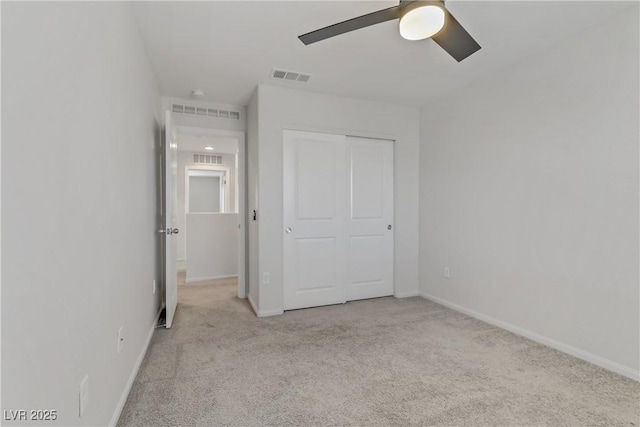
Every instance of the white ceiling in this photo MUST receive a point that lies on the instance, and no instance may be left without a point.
(196, 141)
(227, 47)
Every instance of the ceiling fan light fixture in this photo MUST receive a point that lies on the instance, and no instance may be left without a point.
(420, 21)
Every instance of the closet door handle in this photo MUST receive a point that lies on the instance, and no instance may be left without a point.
(288, 230)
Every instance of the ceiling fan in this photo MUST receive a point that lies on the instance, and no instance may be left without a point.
(418, 20)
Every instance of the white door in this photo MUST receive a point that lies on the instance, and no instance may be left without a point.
(241, 204)
(315, 213)
(171, 220)
(370, 224)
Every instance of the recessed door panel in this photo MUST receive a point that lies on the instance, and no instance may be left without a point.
(317, 264)
(316, 180)
(367, 186)
(366, 254)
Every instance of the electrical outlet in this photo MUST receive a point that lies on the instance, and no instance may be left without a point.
(120, 339)
(83, 395)
(447, 273)
(266, 278)
(154, 286)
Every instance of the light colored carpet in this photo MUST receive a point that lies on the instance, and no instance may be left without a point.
(380, 362)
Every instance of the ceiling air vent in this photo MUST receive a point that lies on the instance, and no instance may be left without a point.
(290, 75)
(202, 111)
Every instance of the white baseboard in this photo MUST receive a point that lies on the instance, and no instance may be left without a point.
(549, 342)
(267, 313)
(134, 373)
(181, 264)
(263, 313)
(407, 294)
(202, 279)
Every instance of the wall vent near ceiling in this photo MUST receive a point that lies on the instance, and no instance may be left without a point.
(202, 111)
(290, 75)
(207, 159)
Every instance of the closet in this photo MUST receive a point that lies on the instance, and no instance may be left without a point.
(338, 218)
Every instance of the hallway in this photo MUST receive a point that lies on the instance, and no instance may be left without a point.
(210, 293)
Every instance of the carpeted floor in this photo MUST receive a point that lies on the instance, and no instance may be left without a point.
(380, 362)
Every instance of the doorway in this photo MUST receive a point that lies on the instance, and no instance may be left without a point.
(208, 205)
(204, 210)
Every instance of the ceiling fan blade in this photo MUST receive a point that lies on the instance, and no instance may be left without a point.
(350, 25)
(455, 40)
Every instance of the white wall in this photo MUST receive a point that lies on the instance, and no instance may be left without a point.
(212, 251)
(79, 145)
(185, 159)
(529, 193)
(280, 109)
(204, 194)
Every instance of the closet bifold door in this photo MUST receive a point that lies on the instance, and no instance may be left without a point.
(370, 224)
(314, 219)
